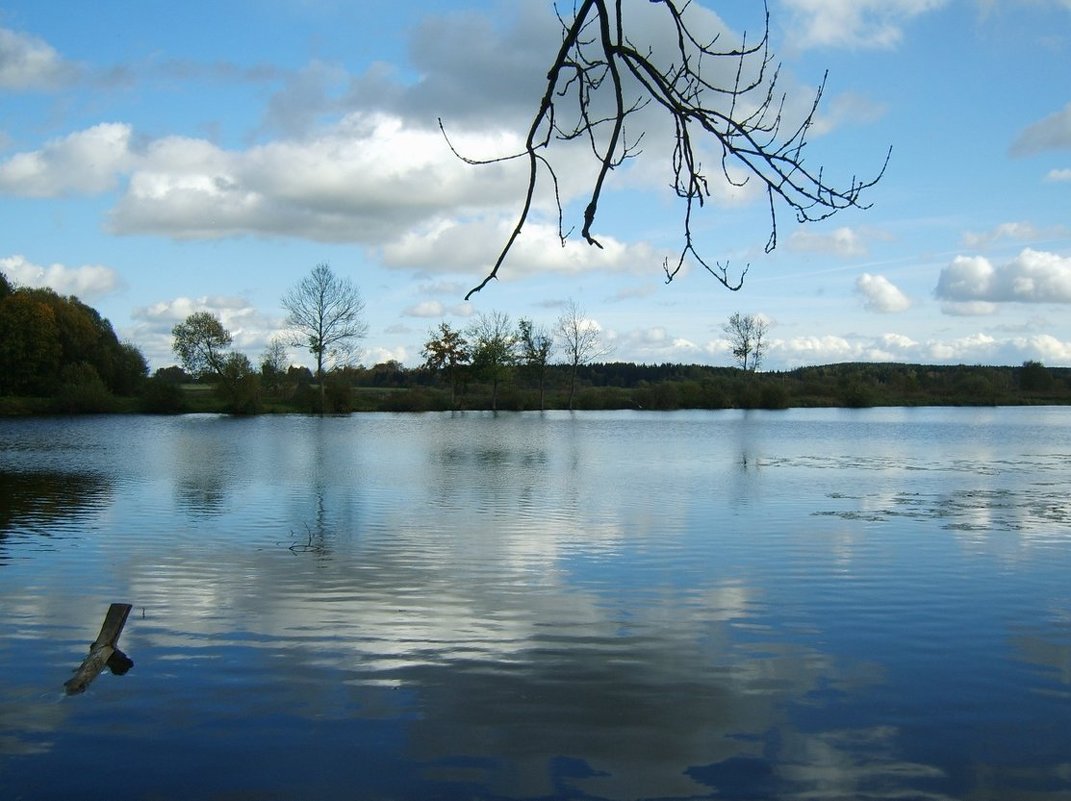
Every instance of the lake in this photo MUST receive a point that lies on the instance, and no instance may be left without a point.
(824, 604)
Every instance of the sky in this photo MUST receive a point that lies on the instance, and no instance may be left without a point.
(162, 158)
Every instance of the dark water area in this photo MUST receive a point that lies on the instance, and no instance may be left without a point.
(821, 604)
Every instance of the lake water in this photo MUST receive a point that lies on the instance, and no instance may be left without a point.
(821, 604)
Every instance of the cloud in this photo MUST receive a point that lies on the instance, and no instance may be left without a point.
(87, 281)
(853, 23)
(1056, 176)
(28, 63)
(847, 108)
(651, 345)
(470, 247)
(1022, 231)
(85, 162)
(427, 308)
(973, 308)
(367, 179)
(479, 72)
(881, 295)
(306, 96)
(1032, 277)
(844, 242)
(1051, 133)
(978, 348)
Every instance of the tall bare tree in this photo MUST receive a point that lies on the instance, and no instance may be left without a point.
(580, 342)
(747, 339)
(325, 315)
(709, 93)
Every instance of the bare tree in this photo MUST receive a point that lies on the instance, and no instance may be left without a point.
(580, 342)
(747, 339)
(273, 364)
(709, 93)
(326, 315)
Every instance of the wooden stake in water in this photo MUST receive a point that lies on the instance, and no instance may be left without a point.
(103, 652)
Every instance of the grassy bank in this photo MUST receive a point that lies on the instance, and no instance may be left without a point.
(600, 386)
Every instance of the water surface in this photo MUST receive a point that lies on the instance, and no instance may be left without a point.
(805, 604)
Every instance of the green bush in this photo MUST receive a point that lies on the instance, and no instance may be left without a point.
(160, 395)
(82, 391)
(856, 395)
(774, 396)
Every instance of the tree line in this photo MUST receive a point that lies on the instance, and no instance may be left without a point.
(59, 348)
(59, 355)
(392, 387)
(326, 317)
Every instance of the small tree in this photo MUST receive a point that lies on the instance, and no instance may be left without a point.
(536, 344)
(747, 339)
(326, 314)
(580, 342)
(494, 344)
(1035, 377)
(446, 349)
(201, 344)
(273, 364)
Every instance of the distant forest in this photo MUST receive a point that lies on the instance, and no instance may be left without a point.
(619, 385)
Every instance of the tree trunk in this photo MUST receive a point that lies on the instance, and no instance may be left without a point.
(103, 650)
(320, 375)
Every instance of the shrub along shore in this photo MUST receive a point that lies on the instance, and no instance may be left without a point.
(391, 387)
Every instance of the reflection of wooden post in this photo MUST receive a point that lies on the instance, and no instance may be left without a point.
(103, 650)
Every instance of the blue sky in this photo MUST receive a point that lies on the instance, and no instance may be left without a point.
(158, 159)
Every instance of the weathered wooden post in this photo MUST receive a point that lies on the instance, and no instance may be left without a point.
(103, 652)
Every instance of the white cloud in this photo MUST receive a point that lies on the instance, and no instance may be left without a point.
(381, 355)
(27, 62)
(651, 345)
(87, 281)
(367, 179)
(85, 162)
(881, 295)
(807, 350)
(1051, 133)
(853, 23)
(1043, 347)
(978, 348)
(844, 242)
(428, 308)
(974, 348)
(1032, 277)
(1056, 176)
(1022, 231)
(471, 247)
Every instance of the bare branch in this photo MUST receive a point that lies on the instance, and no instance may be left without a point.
(599, 80)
